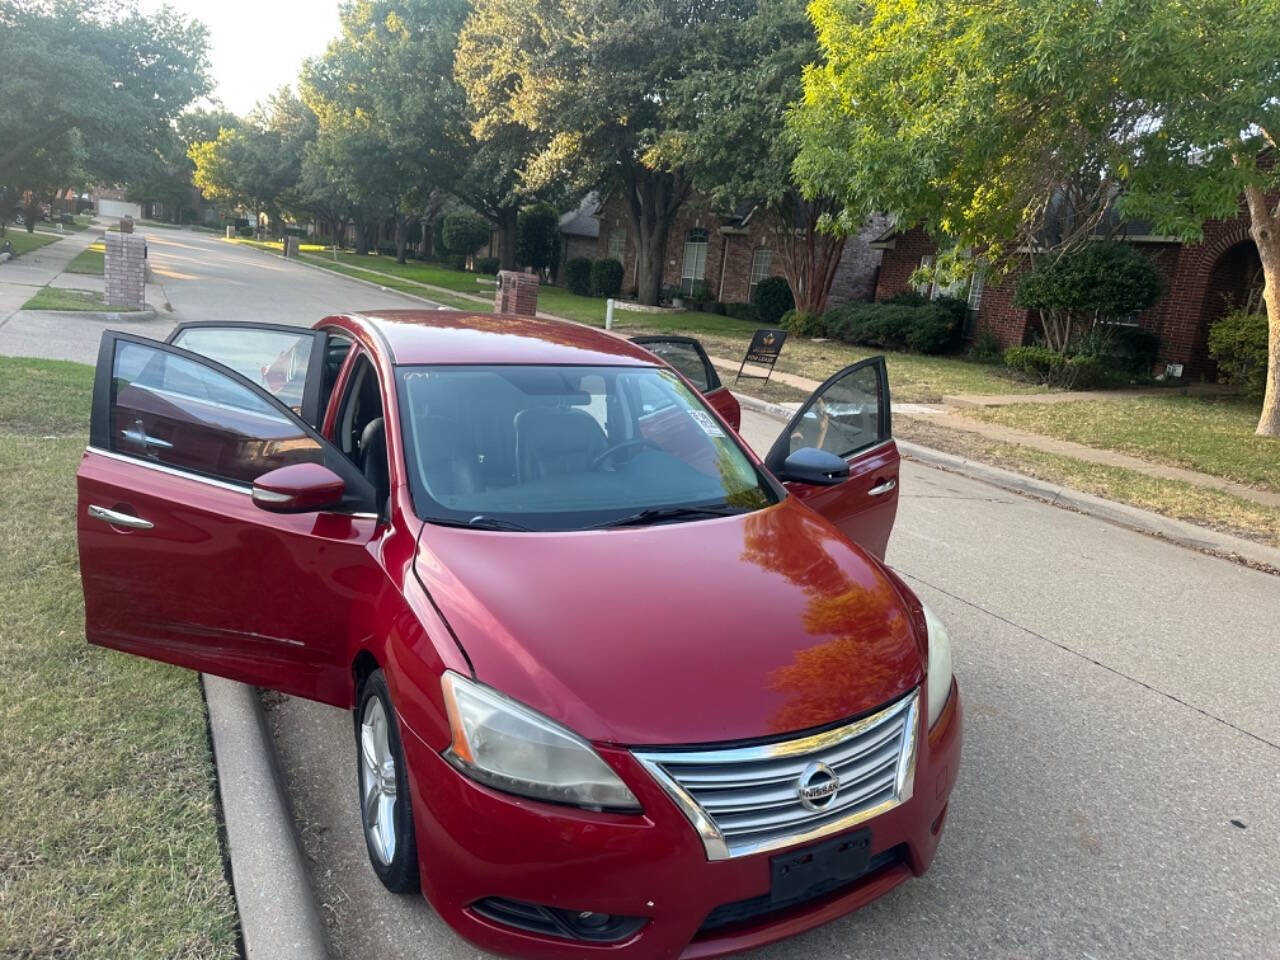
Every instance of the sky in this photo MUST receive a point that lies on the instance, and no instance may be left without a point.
(258, 45)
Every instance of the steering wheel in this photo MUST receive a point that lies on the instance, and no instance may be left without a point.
(608, 454)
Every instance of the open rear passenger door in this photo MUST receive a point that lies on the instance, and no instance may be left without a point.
(189, 554)
(848, 417)
(688, 357)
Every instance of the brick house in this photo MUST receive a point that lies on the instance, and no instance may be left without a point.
(730, 253)
(1199, 281)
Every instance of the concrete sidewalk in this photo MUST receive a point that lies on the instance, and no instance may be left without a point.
(942, 416)
(21, 277)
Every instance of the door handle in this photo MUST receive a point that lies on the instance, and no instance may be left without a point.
(882, 488)
(136, 434)
(118, 519)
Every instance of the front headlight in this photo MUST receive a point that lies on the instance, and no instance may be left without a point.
(939, 665)
(509, 747)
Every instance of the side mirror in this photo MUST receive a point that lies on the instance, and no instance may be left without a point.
(813, 466)
(298, 488)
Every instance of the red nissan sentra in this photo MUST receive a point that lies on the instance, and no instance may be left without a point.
(619, 686)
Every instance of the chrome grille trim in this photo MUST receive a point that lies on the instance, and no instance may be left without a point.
(745, 800)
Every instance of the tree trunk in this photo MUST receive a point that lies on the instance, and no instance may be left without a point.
(655, 197)
(1265, 228)
(810, 258)
(362, 238)
(507, 219)
(402, 237)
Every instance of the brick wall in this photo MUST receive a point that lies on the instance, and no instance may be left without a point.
(856, 276)
(125, 269)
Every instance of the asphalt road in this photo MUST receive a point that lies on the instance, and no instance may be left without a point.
(198, 276)
(1119, 795)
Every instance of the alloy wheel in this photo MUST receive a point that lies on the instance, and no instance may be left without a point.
(378, 781)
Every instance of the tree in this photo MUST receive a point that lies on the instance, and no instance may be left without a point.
(538, 238)
(91, 87)
(1014, 126)
(593, 80)
(465, 233)
(1087, 290)
(739, 150)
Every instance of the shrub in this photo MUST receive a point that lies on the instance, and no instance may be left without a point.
(486, 264)
(1239, 343)
(986, 347)
(456, 261)
(773, 298)
(465, 233)
(743, 311)
(1134, 350)
(700, 293)
(924, 327)
(715, 306)
(1083, 372)
(907, 298)
(1036, 361)
(606, 278)
(803, 324)
(577, 276)
(245, 231)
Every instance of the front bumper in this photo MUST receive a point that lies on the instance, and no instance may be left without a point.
(475, 843)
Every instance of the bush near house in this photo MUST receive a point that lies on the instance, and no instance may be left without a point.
(1239, 343)
(456, 261)
(748, 312)
(606, 278)
(577, 276)
(919, 326)
(465, 233)
(486, 265)
(773, 298)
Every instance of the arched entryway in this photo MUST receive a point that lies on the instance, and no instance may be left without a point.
(1234, 278)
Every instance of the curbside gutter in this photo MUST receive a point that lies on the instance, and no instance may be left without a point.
(279, 918)
(110, 316)
(1180, 532)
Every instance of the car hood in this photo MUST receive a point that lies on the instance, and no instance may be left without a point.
(725, 629)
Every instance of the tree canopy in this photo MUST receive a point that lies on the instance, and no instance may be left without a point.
(92, 90)
(1017, 125)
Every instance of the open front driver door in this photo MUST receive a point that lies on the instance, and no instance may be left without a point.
(848, 416)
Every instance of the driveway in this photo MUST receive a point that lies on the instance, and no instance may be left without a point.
(196, 276)
(1118, 794)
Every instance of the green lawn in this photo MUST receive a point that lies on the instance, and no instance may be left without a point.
(1212, 435)
(24, 242)
(89, 261)
(61, 298)
(109, 836)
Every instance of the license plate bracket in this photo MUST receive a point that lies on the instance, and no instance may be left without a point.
(798, 874)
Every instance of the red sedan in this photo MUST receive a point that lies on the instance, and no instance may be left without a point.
(619, 687)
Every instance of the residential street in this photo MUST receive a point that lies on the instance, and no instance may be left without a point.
(1119, 789)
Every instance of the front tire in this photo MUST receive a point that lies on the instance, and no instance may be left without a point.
(386, 814)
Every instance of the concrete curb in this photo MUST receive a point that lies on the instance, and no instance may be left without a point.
(279, 917)
(111, 316)
(1122, 515)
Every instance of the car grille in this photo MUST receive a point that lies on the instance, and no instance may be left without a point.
(748, 799)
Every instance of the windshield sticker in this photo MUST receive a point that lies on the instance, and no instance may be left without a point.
(709, 426)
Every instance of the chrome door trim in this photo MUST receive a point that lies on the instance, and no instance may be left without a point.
(170, 471)
(118, 519)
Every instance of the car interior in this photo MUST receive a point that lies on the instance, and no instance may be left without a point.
(361, 429)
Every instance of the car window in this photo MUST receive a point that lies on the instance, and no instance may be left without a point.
(685, 358)
(566, 447)
(275, 360)
(844, 417)
(181, 413)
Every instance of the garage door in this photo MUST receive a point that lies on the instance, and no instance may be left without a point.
(119, 208)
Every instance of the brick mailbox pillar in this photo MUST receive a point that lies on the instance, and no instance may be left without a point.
(517, 293)
(125, 270)
(231, 233)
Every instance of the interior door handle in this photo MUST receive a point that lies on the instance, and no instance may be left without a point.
(136, 434)
(882, 488)
(118, 519)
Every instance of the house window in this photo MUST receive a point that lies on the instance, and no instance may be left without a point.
(695, 260)
(975, 299)
(926, 266)
(618, 244)
(761, 261)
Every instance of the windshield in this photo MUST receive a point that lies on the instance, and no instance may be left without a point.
(567, 447)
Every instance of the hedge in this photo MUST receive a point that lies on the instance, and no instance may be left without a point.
(930, 327)
(606, 278)
(577, 276)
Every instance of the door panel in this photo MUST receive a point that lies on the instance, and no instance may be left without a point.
(177, 562)
(849, 416)
(286, 361)
(687, 356)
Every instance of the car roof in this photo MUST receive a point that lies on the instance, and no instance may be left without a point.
(454, 336)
